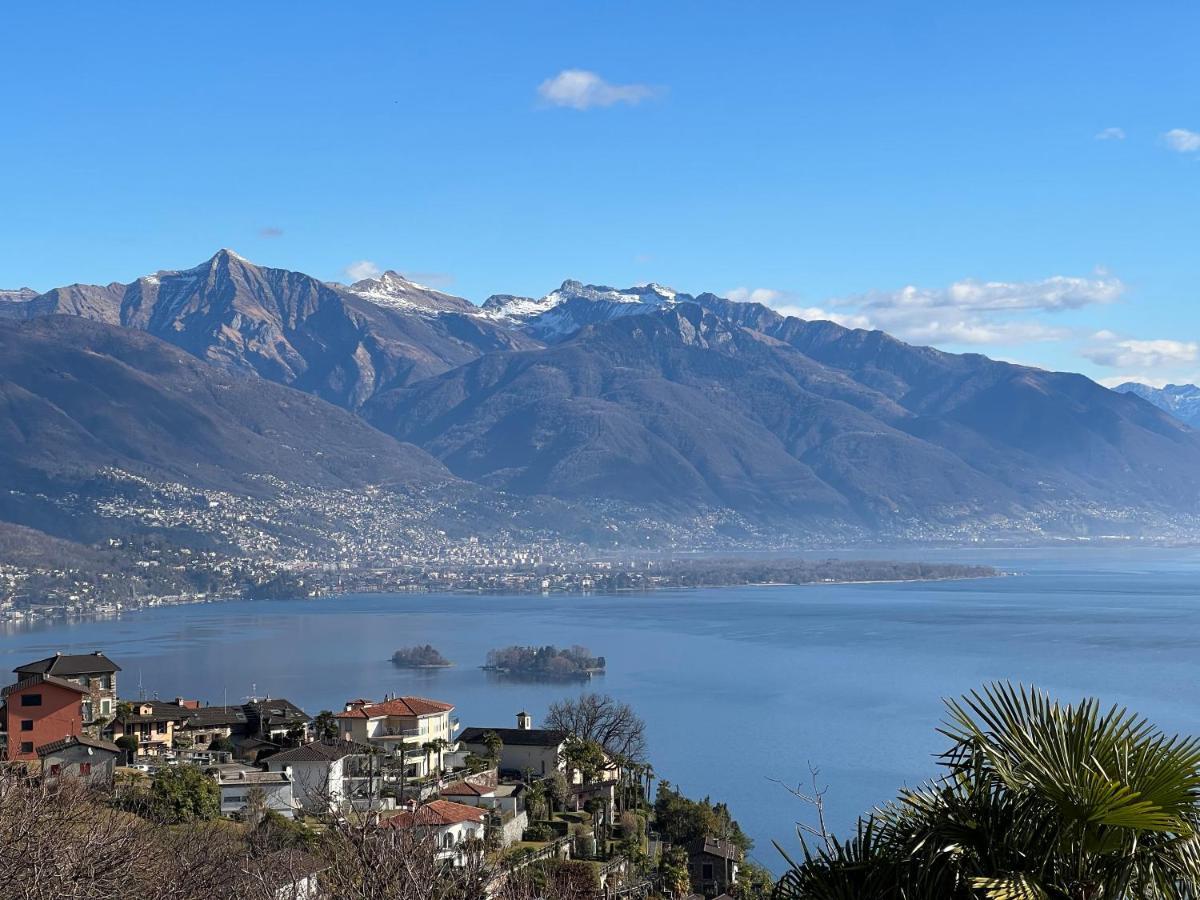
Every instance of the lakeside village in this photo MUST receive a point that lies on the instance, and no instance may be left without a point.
(570, 806)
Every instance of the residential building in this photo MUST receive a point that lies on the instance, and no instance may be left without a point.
(457, 827)
(240, 784)
(80, 756)
(328, 775)
(486, 793)
(40, 709)
(152, 722)
(93, 671)
(401, 726)
(275, 719)
(205, 724)
(525, 748)
(713, 865)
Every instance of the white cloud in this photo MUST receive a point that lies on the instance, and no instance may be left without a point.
(966, 312)
(1114, 352)
(1183, 141)
(1111, 134)
(580, 89)
(1058, 292)
(766, 296)
(361, 269)
(1117, 380)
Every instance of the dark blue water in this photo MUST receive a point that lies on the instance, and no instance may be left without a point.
(738, 686)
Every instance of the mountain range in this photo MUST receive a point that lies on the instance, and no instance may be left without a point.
(645, 399)
(1180, 400)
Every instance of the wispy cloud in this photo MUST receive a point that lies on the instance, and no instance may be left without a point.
(580, 89)
(270, 231)
(362, 268)
(1117, 352)
(1182, 141)
(1110, 134)
(969, 311)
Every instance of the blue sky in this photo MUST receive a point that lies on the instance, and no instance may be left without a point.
(1017, 179)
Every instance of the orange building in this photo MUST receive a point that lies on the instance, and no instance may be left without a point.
(39, 710)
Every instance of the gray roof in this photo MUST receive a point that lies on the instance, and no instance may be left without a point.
(68, 664)
(82, 740)
(320, 751)
(215, 716)
(517, 737)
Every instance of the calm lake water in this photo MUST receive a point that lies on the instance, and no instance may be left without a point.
(738, 686)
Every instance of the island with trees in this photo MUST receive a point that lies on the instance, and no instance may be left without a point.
(548, 662)
(426, 657)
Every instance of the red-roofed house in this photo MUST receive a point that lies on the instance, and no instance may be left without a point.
(458, 827)
(401, 725)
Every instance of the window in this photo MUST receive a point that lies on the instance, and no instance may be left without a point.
(27, 724)
(105, 707)
(707, 872)
(26, 746)
(85, 768)
(55, 769)
(31, 699)
(448, 840)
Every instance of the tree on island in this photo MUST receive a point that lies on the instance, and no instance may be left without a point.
(545, 662)
(426, 657)
(1038, 800)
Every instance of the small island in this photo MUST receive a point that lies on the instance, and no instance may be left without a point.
(545, 662)
(426, 657)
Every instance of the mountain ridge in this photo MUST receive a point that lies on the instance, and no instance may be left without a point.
(692, 404)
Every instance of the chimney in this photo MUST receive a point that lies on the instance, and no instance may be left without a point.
(524, 721)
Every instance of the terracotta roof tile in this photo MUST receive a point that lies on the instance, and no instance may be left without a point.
(437, 813)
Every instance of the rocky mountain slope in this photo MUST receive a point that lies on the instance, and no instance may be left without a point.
(1180, 400)
(341, 343)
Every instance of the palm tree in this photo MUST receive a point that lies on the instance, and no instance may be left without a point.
(429, 749)
(1039, 800)
(440, 745)
(536, 795)
(494, 745)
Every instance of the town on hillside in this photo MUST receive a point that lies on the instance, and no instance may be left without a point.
(572, 799)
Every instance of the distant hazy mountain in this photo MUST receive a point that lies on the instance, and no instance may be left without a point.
(1180, 400)
(649, 398)
(341, 343)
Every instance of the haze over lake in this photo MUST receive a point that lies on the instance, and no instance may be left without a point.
(738, 686)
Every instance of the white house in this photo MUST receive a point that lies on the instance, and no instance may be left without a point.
(525, 748)
(240, 784)
(327, 775)
(401, 726)
(455, 826)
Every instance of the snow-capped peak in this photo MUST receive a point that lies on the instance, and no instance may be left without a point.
(393, 291)
(574, 304)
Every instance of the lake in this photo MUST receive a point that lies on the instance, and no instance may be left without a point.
(738, 686)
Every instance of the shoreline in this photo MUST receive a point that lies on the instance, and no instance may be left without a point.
(10, 625)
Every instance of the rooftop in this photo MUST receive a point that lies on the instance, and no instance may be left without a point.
(409, 707)
(517, 737)
(436, 813)
(320, 751)
(65, 665)
(39, 678)
(73, 740)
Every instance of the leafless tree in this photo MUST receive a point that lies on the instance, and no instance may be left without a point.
(368, 862)
(603, 719)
